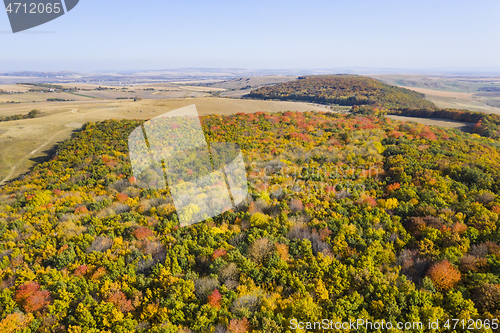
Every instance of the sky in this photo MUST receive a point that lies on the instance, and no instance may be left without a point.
(271, 34)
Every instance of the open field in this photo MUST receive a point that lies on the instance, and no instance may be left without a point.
(23, 143)
(32, 97)
(469, 84)
(15, 87)
(83, 92)
(472, 93)
(236, 88)
(481, 102)
(180, 75)
(256, 81)
(435, 122)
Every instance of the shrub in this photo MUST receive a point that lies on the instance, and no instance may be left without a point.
(33, 113)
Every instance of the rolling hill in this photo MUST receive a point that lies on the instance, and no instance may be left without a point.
(343, 90)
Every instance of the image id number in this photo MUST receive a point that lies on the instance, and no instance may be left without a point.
(33, 8)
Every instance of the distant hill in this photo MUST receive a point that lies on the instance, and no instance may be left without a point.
(40, 74)
(345, 90)
(253, 82)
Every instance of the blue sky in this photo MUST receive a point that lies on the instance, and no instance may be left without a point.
(272, 34)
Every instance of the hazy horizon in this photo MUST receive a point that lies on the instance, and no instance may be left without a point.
(388, 34)
(451, 71)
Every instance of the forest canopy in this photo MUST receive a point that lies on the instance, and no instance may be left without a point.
(348, 217)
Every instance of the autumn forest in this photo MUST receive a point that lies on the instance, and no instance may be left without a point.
(348, 216)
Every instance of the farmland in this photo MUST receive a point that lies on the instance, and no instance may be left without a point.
(475, 93)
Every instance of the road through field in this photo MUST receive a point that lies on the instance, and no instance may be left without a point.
(13, 169)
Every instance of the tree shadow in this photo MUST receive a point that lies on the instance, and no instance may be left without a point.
(469, 128)
(46, 156)
(50, 152)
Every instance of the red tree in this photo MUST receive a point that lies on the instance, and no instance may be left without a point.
(31, 297)
(81, 270)
(142, 232)
(296, 205)
(121, 197)
(26, 290)
(219, 253)
(444, 275)
(38, 301)
(121, 302)
(215, 298)
(238, 326)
